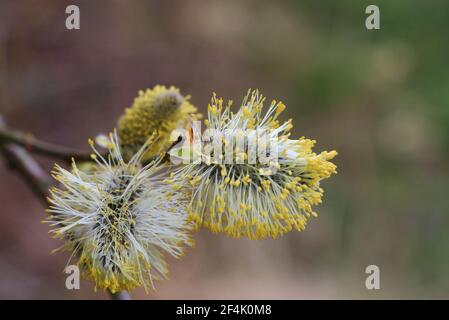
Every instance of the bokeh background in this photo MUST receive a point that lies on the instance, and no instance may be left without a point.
(380, 97)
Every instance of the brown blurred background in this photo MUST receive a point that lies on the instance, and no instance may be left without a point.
(381, 98)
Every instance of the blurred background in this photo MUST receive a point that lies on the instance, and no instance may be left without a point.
(379, 97)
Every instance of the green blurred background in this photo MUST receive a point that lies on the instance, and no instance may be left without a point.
(379, 97)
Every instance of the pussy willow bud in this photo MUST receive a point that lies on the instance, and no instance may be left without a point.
(253, 199)
(160, 110)
(118, 220)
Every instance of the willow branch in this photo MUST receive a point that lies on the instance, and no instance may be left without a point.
(121, 295)
(165, 157)
(34, 145)
(19, 159)
(37, 146)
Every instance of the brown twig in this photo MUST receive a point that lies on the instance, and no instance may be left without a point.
(121, 295)
(166, 155)
(34, 145)
(19, 159)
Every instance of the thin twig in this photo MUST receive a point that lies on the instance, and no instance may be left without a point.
(166, 155)
(19, 159)
(34, 145)
(121, 295)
